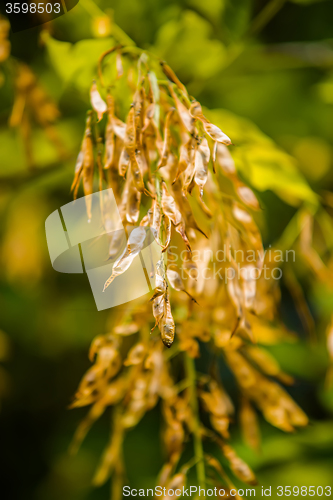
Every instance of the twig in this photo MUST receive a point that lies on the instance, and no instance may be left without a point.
(266, 15)
(198, 448)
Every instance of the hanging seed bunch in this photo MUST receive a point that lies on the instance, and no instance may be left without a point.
(169, 168)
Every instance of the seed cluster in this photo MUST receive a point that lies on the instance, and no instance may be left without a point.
(169, 167)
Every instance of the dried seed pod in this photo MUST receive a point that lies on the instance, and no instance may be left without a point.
(169, 207)
(136, 171)
(184, 114)
(186, 210)
(202, 156)
(136, 355)
(148, 116)
(212, 130)
(224, 160)
(219, 406)
(124, 161)
(130, 135)
(196, 110)
(78, 168)
(97, 102)
(160, 283)
(134, 246)
(119, 128)
(216, 133)
(158, 309)
(133, 203)
(177, 283)
(109, 136)
(249, 424)
(189, 172)
(172, 76)
(167, 226)
(88, 167)
(156, 220)
(167, 140)
(249, 231)
(167, 324)
(181, 230)
(238, 466)
(184, 159)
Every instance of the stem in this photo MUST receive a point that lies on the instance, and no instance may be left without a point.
(293, 228)
(263, 18)
(259, 22)
(198, 448)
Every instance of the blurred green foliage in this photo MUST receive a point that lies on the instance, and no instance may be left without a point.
(265, 70)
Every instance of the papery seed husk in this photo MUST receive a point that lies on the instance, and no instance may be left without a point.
(196, 109)
(130, 136)
(224, 160)
(183, 112)
(169, 206)
(124, 161)
(167, 324)
(97, 102)
(134, 246)
(167, 226)
(216, 133)
(88, 172)
(167, 139)
(202, 156)
(119, 128)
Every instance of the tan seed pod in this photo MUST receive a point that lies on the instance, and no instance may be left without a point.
(196, 110)
(136, 355)
(97, 102)
(249, 424)
(184, 160)
(184, 114)
(124, 161)
(224, 159)
(169, 207)
(130, 135)
(167, 324)
(238, 466)
(172, 76)
(133, 204)
(167, 140)
(177, 283)
(134, 246)
(247, 196)
(167, 226)
(202, 156)
(216, 133)
(88, 168)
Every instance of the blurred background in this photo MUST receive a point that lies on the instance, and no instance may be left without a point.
(265, 69)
